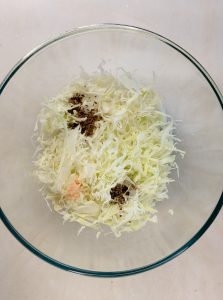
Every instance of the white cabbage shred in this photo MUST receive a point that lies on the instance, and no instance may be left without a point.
(133, 142)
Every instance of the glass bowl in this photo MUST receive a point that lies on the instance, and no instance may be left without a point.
(188, 93)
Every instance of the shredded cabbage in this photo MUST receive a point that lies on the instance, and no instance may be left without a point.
(132, 142)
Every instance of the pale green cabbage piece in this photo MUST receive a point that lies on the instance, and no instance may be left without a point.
(134, 141)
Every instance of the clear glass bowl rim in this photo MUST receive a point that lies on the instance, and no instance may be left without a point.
(214, 213)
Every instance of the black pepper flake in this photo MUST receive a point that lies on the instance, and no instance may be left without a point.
(72, 125)
(90, 116)
(76, 98)
(117, 194)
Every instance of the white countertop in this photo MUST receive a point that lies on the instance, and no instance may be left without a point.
(195, 25)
